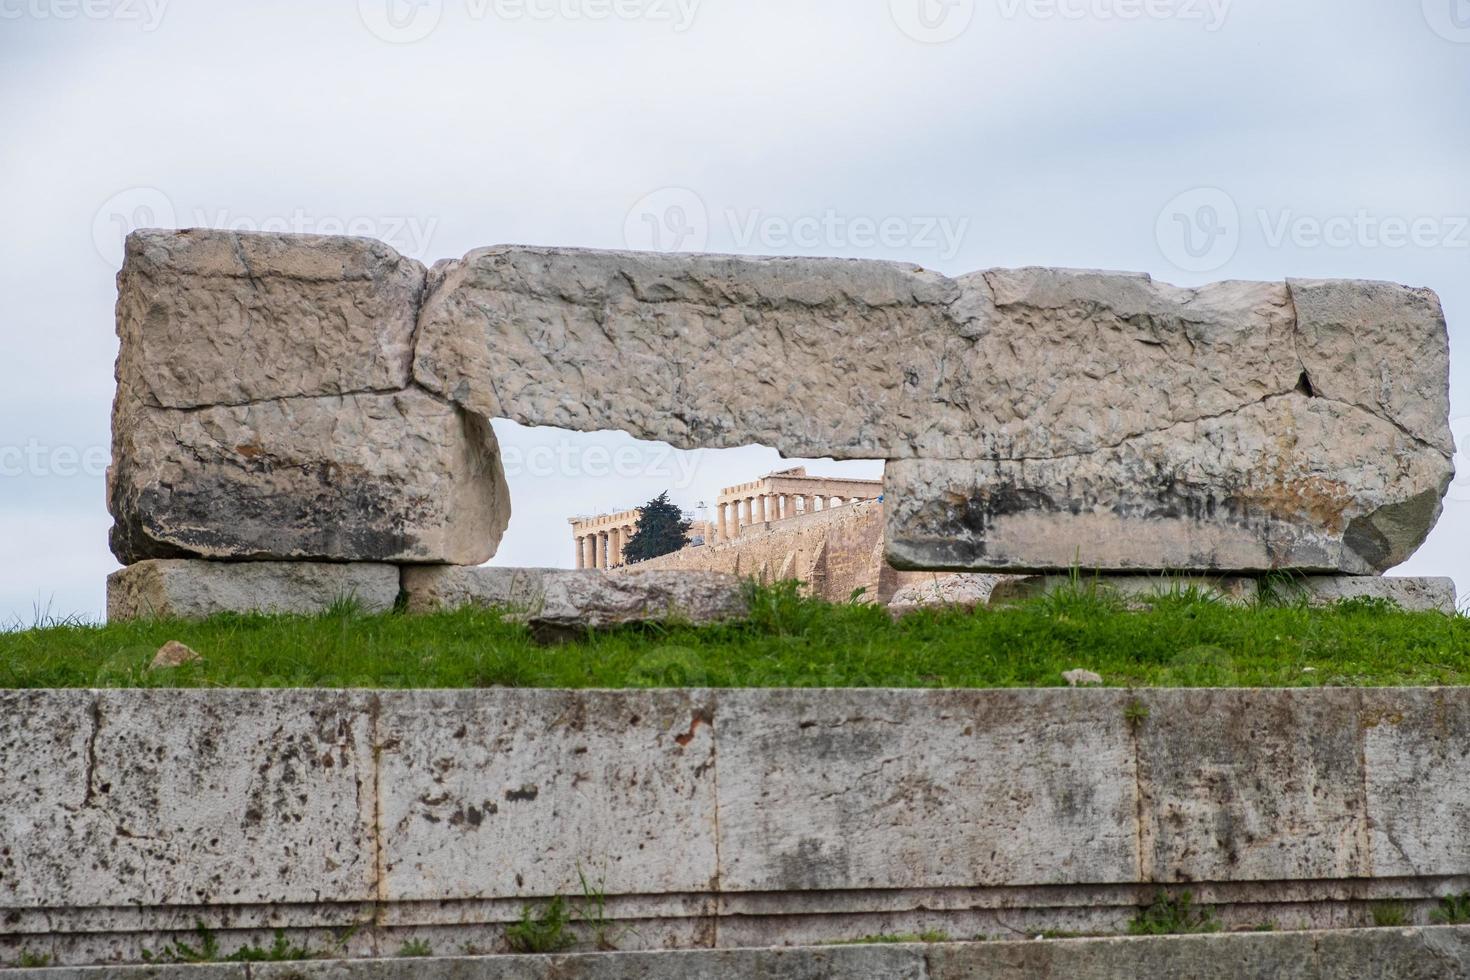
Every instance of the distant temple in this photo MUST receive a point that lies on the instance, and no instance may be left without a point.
(826, 532)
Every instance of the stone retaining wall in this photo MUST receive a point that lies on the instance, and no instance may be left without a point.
(355, 820)
(1384, 954)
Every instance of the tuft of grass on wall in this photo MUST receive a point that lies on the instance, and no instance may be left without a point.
(1182, 640)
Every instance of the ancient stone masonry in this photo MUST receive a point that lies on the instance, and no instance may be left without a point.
(304, 398)
(1033, 418)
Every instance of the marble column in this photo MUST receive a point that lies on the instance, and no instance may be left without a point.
(599, 550)
(616, 534)
(580, 556)
(587, 551)
(760, 511)
(723, 533)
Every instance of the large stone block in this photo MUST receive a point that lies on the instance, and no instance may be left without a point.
(220, 318)
(517, 794)
(434, 588)
(558, 602)
(850, 354)
(959, 788)
(264, 409)
(1252, 785)
(193, 589)
(1035, 418)
(364, 477)
(1292, 481)
(184, 797)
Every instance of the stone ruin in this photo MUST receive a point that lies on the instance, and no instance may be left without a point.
(306, 408)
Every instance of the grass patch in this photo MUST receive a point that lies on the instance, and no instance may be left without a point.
(1172, 916)
(1182, 640)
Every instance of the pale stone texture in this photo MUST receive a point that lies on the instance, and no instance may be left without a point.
(174, 654)
(431, 588)
(1408, 593)
(265, 409)
(1242, 786)
(1136, 590)
(1035, 418)
(195, 589)
(218, 317)
(1289, 482)
(945, 592)
(179, 797)
(554, 600)
(718, 818)
(847, 350)
(959, 789)
(508, 794)
(1350, 954)
(1416, 751)
(367, 477)
(597, 600)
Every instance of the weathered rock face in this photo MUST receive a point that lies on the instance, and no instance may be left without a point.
(264, 409)
(1034, 418)
(220, 318)
(272, 400)
(817, 356)
(558, 602)
(367, 477)
(185, 589)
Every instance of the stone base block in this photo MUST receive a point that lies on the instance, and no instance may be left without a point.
(1408, 593)
(191, 589)
(559, 600)
(962, 591)
(433, 588)
(1135, 589)
(1411, 594)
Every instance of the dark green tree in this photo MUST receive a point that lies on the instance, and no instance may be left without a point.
(661, 529)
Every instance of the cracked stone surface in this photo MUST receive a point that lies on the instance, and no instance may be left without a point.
(176, 797)
(264, 409)
(957, 789)
(503, 794)
(217, 318)
(1033, 418)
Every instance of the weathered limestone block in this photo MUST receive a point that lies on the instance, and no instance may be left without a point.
(962, 591)
(1242, 784)
(265, 410)
(1415, 744)
(958, 789)
(1034, 418)
(1407, 592)
(821, 357)
(218, 318)
(364, 477)
(510, 794)
(596, 600)
(1136, 590)
(184, 797)
(559, 601)
(194, 589)
(431, 588)
(1289, 482)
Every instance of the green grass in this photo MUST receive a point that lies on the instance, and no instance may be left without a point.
(1186, 640)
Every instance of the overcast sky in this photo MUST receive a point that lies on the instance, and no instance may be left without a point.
(1192, 139)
